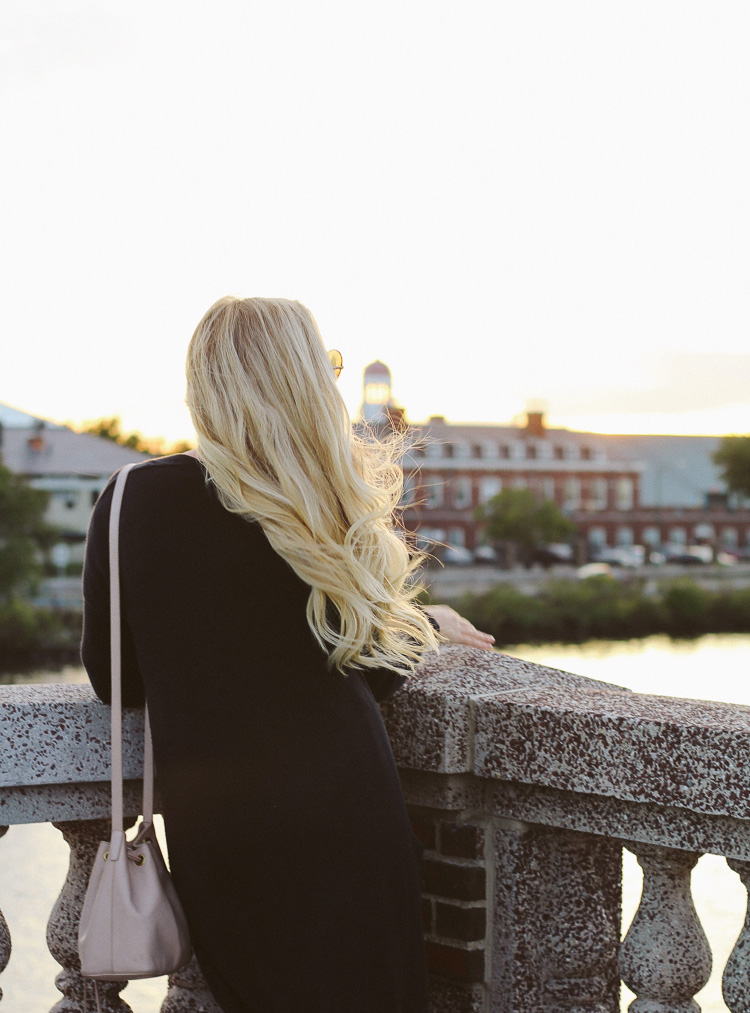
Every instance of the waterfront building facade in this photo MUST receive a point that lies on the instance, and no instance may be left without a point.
(72, 467)
(619, 490)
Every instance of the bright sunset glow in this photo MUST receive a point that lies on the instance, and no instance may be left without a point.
(501, 201)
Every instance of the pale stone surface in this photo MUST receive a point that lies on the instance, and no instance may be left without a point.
(638, 821)
(61, 733)
(430, 719)
(556, 922)
(735, 981)
(603, 741)
(665, 957)
(50, 803)
(556, 765)
(579, 929)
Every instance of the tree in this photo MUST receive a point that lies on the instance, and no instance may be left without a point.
(733, 457)
(111, 429)
(23, 531)
(516, 515)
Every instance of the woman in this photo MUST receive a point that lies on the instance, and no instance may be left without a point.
(266, 608)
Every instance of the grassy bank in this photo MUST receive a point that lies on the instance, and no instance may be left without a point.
(567, 611)
(37, 638)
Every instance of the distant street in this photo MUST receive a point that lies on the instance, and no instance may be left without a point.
(452, 581)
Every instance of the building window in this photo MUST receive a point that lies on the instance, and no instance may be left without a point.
(730, 538)
(489, 487)
(434, 450)
(519, 482)
(407, 496)
(448, 450)
(531, 451)
(625, 535)
(67, 497)
(461, 493)
(544, 451)
(651, 536)
(489, 450)
(504, 450)
(433, 489)
(558, 453)
(597, 494)
(624, 493)
(461, 449)
(678, 536)
(548, 487)
(476, 450)
(457, 537)
(572, 494)
(517, 451)
(427, 537)
(597, 538)
(585, 453)
(704, 532)
(600, 494)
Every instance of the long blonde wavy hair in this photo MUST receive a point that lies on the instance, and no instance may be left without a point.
(277, 441)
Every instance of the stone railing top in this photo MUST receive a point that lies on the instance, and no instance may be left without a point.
(466, 711)
(500, 717)
(55, 733)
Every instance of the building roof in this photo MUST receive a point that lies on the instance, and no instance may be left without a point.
(59, 451)
(676, 471)
(13, 418)
(439, 428)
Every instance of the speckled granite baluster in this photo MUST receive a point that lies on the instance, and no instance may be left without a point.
(62, 929)
(665, 957)
(4, 933)
(188, 992)
(735, 983)
(579, 937)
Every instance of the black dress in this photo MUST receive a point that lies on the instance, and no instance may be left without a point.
(288, 836)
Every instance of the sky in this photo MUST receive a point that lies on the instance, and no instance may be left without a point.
(538, 200)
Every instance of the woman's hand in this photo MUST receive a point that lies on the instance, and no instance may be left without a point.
(457, 630)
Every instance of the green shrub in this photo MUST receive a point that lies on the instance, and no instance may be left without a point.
(687, 608)
(30, 636)
(604, 608)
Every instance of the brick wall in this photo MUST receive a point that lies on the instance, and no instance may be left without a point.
(455, 884)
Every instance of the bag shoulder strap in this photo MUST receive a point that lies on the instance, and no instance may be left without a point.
(115, 626)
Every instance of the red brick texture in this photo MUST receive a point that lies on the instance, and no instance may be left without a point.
(454, 904)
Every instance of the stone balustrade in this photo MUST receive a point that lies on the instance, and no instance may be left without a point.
(523, 783)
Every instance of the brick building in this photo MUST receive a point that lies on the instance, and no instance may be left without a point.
(618, 490)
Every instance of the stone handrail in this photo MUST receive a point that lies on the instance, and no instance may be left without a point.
(523, 783)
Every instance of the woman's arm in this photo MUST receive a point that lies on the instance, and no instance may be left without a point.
(95, 644)
(457, 630)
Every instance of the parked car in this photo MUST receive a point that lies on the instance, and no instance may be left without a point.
(727, 559)
(594, 570)
(689, 555)
(622, 555)
(485, 554)
(454, 555)
(552, 555)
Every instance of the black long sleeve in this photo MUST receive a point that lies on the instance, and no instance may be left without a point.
(95, 642)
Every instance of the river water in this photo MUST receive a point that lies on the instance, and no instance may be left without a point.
(33, 859)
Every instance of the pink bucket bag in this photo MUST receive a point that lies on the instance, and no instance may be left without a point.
(132, 924)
